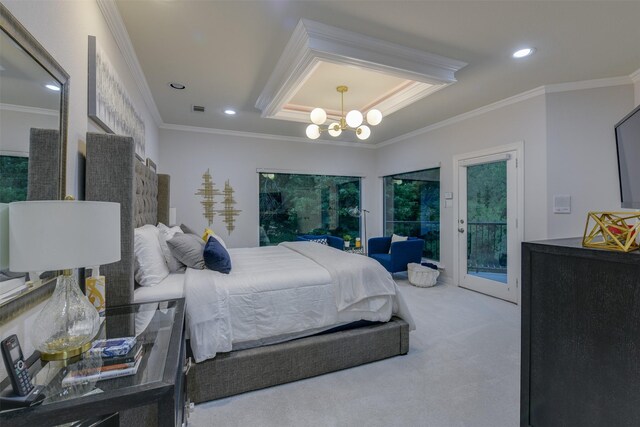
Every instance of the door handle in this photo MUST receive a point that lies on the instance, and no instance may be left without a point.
(461, 230)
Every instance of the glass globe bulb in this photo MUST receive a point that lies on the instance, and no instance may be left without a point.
(318, 116)
(334, 130)
(374, 117)
(363, 132)
(354, 118)
(313, 131)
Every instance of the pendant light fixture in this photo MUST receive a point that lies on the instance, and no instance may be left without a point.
(352, 121)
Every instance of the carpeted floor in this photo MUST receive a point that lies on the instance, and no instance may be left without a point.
(463, 369)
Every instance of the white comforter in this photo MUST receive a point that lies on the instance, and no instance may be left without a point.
(291, 290)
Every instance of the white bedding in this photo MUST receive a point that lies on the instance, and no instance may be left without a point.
(285, 290)
(171, 287)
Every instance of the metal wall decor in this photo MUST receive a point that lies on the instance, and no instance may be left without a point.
(229, 212)
(109, 103)
(208, 191)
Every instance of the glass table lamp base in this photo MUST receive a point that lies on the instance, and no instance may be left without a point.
(67, 324)
(68, 353)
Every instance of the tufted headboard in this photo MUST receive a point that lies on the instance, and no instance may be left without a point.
(113, 174)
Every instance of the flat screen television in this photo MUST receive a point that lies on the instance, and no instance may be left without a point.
(628, 146)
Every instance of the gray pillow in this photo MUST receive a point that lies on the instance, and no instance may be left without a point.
(188, 249)
(187, 230)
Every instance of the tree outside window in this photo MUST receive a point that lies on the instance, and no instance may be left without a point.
(13, 178)
(412, 208)
(294, 204)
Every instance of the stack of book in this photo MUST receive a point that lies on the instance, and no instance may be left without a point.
(120, 357)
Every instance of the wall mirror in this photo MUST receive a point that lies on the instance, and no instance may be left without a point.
(34, 92)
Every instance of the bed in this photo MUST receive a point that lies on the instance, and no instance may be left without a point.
(261, 356)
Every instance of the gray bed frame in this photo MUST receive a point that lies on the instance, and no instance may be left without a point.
(113, 174)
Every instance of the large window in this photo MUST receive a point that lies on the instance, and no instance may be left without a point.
(292, 204)
(412, 208)
(13, 178)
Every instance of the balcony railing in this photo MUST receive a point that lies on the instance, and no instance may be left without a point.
(487, 247)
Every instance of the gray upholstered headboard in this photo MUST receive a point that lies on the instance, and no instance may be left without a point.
(113, 174)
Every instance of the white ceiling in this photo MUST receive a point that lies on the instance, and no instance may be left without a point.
(225, 51)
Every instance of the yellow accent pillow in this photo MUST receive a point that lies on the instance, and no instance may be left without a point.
(208, 233)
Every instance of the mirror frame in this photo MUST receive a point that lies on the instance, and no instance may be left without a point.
(16, 31)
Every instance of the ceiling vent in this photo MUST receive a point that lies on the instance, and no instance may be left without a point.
(198, 109)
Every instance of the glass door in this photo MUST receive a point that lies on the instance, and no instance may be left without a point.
(487, 221)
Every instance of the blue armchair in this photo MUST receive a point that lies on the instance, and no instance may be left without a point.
(333, 241)
(402, 253)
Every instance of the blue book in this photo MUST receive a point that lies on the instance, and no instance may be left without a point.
(112, 347)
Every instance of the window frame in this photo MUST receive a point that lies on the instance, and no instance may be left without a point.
(262, 172)
(384, 204)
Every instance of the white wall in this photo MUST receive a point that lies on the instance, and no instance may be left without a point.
(63, 27)
(523, 121)
(15, 128)
(581, 153)
(637, 91)
(187, 155)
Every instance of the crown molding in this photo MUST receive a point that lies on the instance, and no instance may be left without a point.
(464, 116)
(541, 90)
(264, 136)
(31, 110)
(635, 76)
(119, 31)
(313, 42)
(588, 84)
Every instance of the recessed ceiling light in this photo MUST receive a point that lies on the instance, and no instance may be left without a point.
(230, 112)
(52, 87)
(178, 86)
(524, 52)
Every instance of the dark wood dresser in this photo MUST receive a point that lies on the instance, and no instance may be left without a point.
(580, 336)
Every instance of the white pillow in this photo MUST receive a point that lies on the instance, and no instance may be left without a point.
(165, 234)
(150, 265)
(396, 238)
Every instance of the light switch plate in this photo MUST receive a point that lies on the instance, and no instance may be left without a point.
(562, 204)
(448, 196)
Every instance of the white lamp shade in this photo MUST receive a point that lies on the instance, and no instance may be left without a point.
(363, 132)
(313, 131)
(334, 129)
(58, 235)
(318, 116)
(374, 117)
(354, 118)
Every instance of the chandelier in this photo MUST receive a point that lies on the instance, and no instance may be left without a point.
(352, 121)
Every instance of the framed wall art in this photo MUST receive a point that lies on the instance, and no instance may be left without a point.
(109, 103)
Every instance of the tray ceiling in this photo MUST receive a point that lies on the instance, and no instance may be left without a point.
(226, 51)
(381, 75)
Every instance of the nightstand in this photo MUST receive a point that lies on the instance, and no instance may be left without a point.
(157, 389)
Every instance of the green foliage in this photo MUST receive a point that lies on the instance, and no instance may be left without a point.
(293, 204)
(13, 178)
(487, 216)
(412, 208)
(487, 192)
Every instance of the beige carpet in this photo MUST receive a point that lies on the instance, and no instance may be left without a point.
(463, 369)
